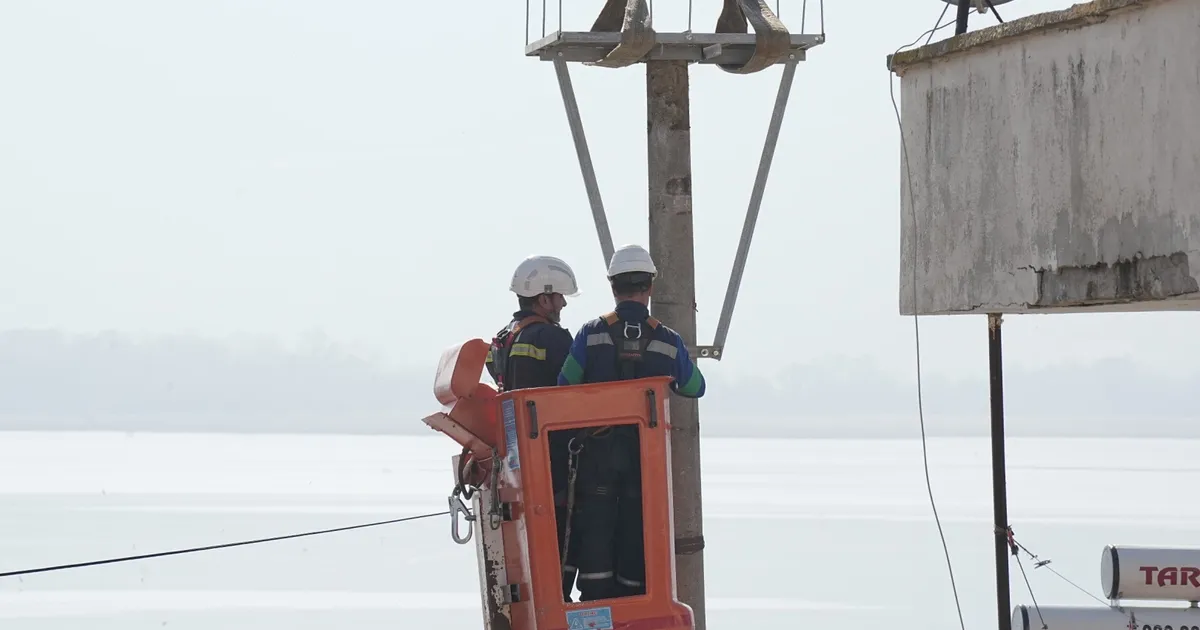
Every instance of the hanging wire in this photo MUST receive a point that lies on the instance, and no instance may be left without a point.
(689, 16)
(1012, 541)
(1028, 586)
(939, 21)
(916, 319)
(1039, 564)
(822, 17)
(241, 543)
(560, 16)
(526, 22)
(543, 18)
(803, 15)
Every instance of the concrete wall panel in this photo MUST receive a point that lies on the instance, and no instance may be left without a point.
(1055, 163)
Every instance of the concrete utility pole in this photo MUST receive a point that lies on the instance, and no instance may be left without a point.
(623, 35)
(669, 159)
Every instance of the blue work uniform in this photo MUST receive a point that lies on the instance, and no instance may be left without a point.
(593, 356)
(622, 345)
(529, 352)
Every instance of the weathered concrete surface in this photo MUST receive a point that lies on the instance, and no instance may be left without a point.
(1055, 163)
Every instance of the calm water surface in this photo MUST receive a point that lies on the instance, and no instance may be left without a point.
(798, 532)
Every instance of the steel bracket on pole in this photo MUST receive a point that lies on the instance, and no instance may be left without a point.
(717, 349)
(585, 159)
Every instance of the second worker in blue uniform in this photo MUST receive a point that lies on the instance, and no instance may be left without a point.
(624, 344)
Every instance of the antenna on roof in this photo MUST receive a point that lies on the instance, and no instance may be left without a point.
(964, 11)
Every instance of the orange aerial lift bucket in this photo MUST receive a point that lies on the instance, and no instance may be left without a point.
(520, 553)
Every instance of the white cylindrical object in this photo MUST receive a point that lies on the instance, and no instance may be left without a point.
(1150, 573)
(1099, 618)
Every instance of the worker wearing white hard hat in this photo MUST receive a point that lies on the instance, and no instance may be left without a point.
(544, 276)
(530, 350)
(631, 259)
(624, 344)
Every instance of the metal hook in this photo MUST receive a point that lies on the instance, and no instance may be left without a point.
(458, 507)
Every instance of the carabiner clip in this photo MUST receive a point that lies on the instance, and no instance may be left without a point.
(458, 507)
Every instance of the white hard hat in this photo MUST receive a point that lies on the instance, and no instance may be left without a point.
(544, 274)
(631, 258)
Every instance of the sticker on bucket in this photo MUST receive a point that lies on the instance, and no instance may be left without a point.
(510, 435)
(590, 619)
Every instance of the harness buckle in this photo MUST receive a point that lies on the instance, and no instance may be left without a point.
(637, 327)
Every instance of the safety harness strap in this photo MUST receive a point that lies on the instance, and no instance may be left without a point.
(611, 318)
(504, 347)
(630, 340)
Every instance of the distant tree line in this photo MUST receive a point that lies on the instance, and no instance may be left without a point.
(112, 381)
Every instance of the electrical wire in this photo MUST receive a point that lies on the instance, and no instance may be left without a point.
(1029, 587)
(931, 31)
(1016, 546)
(161, 554)
(917, 322)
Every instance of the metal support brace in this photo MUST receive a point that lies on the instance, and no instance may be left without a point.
(716, 350)
(585, 159)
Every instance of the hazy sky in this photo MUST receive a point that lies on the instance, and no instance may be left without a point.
(280, 167)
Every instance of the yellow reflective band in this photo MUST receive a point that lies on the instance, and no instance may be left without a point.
(528, 350)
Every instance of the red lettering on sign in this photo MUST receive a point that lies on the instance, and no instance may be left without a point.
(1189, 576)
(1149, 571)
(1172, 576)
(1168, 576)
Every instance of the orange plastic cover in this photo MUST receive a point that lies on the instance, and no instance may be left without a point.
(469, 415)
(459, 370)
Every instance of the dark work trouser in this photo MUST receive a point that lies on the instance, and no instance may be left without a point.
(631, 552)
(558, 475)
(609, 516)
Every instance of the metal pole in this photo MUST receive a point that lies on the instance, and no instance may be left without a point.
(756, 196)
(999, 483)
(585, 159)
(669, 162)
(964, 14)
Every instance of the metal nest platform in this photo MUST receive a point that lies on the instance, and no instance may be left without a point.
(706, 48)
